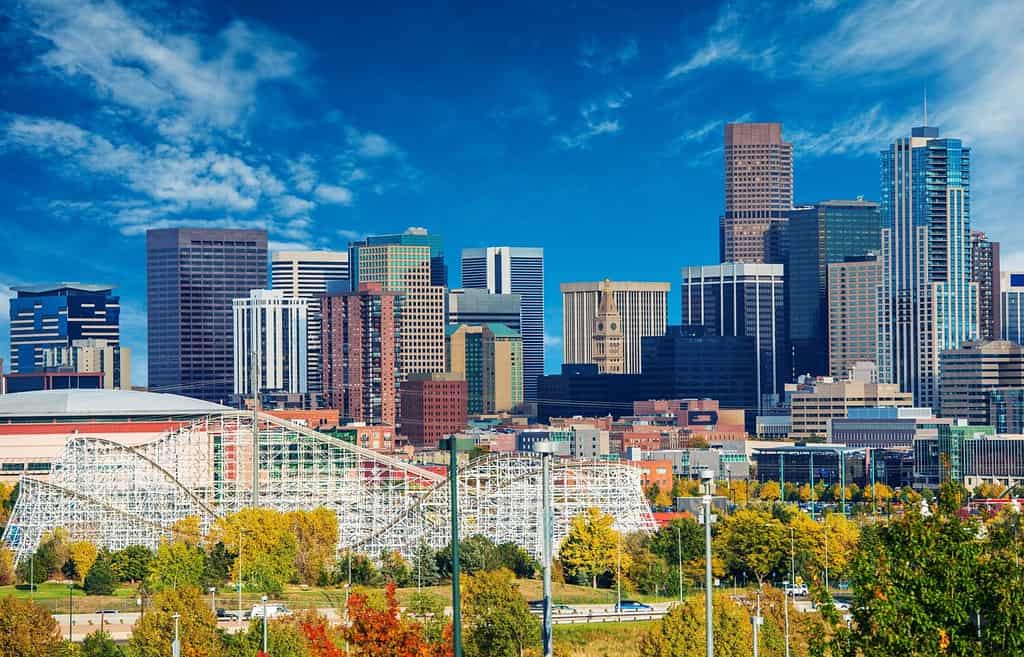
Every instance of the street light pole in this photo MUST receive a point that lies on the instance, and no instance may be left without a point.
(264, 599)
(454, 445)
(792, 584)
(827, 589)
(756, 622)
(71, 612)
(679, 553)
(176, 644)
(618, 575)
(239, 582)
(546, 449)
(213, 600)
(708, 479)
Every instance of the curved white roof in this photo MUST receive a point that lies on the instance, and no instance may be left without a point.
(98, 403)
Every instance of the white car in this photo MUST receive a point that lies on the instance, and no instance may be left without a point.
(272, 611)
(799, 589)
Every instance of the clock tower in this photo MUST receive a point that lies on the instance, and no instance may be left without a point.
(606, 343)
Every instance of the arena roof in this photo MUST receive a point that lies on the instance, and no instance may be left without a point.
(100, 403)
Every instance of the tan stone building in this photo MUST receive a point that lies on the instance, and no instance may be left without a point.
(606, 340)
(968, 374)
(853, 289)
(642, 308)
(490, 358)
(812, 409)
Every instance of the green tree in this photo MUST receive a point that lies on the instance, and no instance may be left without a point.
(316, 534)
(364, 572)
(100, 579)
(497, 621)
(52, 553)
(510, 555)
(952, 496)
(177, 563)
(284, 639)
(681, 533)
(752, 543)
(592, 547)
(428, 609)
(268, 545)
(154, 631)
(100, 644)
(649, 573)
(8, 574)
(131, 564)
(476, 553)
(681, 632)
(217, 565)
(394, 568)
(424, 566)
(27, 630)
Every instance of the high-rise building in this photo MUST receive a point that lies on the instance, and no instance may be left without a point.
(643, 308)
(93, 355)
(433, 407)
(305, 274)
(412, 236)
(853, 288)
(606, 337)
(758, 189)
(55, 316)
(490, 358)
(971, 371)
(514, 270)
(407, 270)
(270, 342)
(819, 235)
(985, 273)
(477, 307)
(361, 353)
(743, 299)
(1006, 410)
(1011, 307)
(192, 277)
(929, 302)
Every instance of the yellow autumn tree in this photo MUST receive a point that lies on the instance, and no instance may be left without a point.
(593, 548)
(265, 545)
(316, 534)
(83, 554)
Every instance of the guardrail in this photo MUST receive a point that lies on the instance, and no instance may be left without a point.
(581, 618)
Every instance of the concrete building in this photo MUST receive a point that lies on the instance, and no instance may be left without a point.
(929, 303)
(360, 337)
(527, 439)
(853, 289)
(412, 236)
(478, 307)
(490, 359)
(743, 299)
(589, 443)
(758, 189)
(55, 316)
(643, 308)
(92, 355)
(812, 409)
(406, 269)
(1006, 410)
(305, 274)
(818, 236)
(946, 456)
(883, 428)
(192, 277)
(985, 274)
(970, 372)
(270, 335)
(433, 406)
(1011, 307)
(606, 336)
(502, 270)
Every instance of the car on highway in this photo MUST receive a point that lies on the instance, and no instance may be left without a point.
(537, 606)
(271, 610)
(798, 589)
(632, 605)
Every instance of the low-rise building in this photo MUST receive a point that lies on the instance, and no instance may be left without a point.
(812, 410)
(810, 464)
(433, 406)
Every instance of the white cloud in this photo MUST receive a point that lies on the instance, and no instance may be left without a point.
(597, 119)
(350, 235)
(333, 194)
(552, 340)
(371, 145)
(582, 139)
(605, 60)
(726, 41)
(861, 134)
(289, 206)
(302, 174)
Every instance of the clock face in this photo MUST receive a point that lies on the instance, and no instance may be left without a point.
(613, 326)
(600, 326)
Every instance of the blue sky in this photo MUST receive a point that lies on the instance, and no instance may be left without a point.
(591, 129)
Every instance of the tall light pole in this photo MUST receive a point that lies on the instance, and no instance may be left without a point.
(239, 582)
(264, 600)
(707, 477)
(546, 448)
(213, 600)
(792, 584)
(679, 553)
(756, 621)
(176, 644)
(618, 574)
(71, 612)
(827, 589)
(454, 445)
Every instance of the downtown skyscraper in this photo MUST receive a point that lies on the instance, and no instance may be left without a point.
(514, 270)
(192, 277)
(758, 190)
(929, 302)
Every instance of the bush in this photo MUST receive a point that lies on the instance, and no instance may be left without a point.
(100, 579)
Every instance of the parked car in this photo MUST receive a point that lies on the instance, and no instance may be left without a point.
(797, 589)
(632, 605)
(272, 610)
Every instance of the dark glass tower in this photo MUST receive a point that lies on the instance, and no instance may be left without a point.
(819, 235)
(192, 275)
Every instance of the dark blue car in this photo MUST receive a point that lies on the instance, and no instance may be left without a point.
(632, 605)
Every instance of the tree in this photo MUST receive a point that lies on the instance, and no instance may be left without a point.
(100, 644)
(663, 500)
(511, 556)
(592, 547)
(752, 543)
(177, 563)
(988, 490)
(7, 571)
(100, 579)
(316, 534)
(682, 533)
(394, 568)
(428, 609)
(364, 572)
(285, 638)
(498, 622)
(650, 574)
(268, 545)
(52, 553)
(476, 553)
(769, 491)
(81, 555)
(217, 565)
(376, 632)
(681, 632)
(424, 566)
(132, 564)
(154, 631)
(27, 630)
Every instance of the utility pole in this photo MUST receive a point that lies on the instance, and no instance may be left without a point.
(708, 479)
(264, 600)
(827, 589)
(254, 336)
(454, 446)
(239, 574)
(756, 621)
(679, 553)
(176, 644)
(546, 449)
(71, 612)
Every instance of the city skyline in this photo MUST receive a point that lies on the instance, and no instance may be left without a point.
(595, 125)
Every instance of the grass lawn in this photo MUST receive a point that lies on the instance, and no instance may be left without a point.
(601, 639)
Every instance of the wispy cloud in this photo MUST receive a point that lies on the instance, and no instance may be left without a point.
(597, 118)
(701, 134)
(860, 134)
(726, 41)
(592, 55)
(334, 194)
